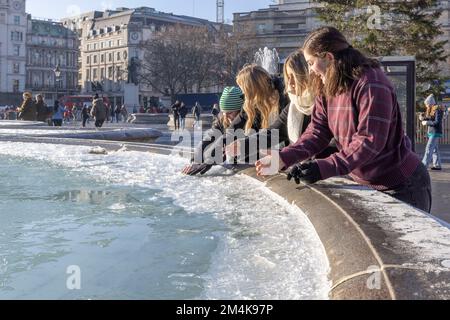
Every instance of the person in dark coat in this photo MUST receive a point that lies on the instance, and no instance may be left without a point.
(202, 161)
(99, 111)
(197, 113)
(183, 111)
(85, 115)
(176, 114)
(41, 108)
(27, 110)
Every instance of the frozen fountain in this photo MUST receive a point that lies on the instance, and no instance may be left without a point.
(268, 59)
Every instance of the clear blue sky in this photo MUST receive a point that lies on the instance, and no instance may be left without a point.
(199, 8)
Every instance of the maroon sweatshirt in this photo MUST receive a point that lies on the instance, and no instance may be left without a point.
(367, 125)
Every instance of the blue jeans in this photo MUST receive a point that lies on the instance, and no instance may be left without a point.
(183, 123)
(415, 191)
(432, 151)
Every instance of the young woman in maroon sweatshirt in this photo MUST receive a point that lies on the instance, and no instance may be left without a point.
(357, 106)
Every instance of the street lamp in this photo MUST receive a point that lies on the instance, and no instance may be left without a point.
(57, 72)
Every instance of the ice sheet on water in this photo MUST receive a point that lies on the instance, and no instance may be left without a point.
(269, 249)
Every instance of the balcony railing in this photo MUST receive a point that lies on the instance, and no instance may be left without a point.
(51, 88)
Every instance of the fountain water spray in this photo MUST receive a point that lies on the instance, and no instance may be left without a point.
(268, 59)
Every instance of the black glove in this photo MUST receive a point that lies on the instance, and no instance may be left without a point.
(199, 169)
(308, 172)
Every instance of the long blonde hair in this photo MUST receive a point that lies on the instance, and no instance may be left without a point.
(298, 65)
(260, 95)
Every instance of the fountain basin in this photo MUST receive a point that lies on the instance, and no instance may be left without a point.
(377, 247)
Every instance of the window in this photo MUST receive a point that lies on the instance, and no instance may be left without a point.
(119, 42)
(102, 58)
(16, 68)
(94, 74)
(261, 28)
(118, 56)
(95, 59)
(88, 59)
(88, 75)
(110, 72)
(16, 85)
(17, 20)
(110, 57)
(288, 26)
(16, 36)
(118, 73)
(16, 49)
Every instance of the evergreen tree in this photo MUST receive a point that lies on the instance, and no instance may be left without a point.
(392, 27)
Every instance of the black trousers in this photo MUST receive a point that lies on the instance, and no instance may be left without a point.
(177, 122)
(99, 123)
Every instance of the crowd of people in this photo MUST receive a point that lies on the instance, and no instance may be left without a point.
(180, 112)
(336, 115)
(35, 109)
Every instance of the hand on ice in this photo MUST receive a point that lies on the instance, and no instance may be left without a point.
(270, 165)
(233, 150)
(195, 168)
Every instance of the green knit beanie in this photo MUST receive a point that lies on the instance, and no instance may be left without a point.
(231, 100)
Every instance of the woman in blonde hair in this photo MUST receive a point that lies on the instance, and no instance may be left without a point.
(295, 118)
(27, 110)
(264, 98)
(433, 120)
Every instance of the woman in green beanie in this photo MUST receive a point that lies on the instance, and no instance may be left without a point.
(231, 104)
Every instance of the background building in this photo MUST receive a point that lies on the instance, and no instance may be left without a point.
(50, 44)
(13, 31)
(283, 26)
(110, 47)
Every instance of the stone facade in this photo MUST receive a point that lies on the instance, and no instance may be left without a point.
(110, 44)
(13, 31)
(50, 44)
(283, 26)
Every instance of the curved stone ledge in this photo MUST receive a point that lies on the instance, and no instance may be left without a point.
(148, 118)
(378, 247)
(19, 123)
(113, 135)
(206, 120)
(127, 134)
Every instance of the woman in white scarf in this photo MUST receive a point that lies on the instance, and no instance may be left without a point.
(296, 77)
